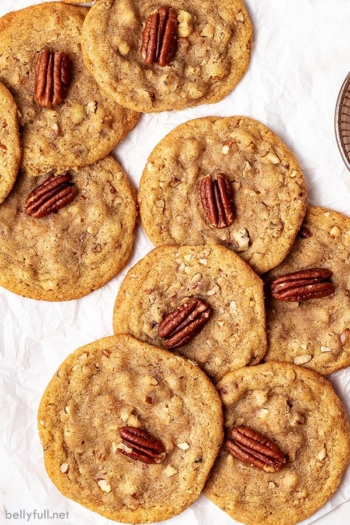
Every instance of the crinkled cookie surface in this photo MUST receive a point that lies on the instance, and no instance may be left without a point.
(269, 190)
(314, 333)
(87, 125)
(10, 147)
(167, 277)
(214, 45)
(117, 382)
(68, 254)
(298, 410)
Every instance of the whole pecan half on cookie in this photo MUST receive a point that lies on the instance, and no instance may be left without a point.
(217, 201)
(138, 444)
(159, 38)
(52, 78)
(50, 196)
(255, 450)
(303, 285)
(182, 324)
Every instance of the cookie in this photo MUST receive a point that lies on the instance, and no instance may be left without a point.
(297, 411)
(315, 332)
(68, 254)
(10, 148)
(78, 124)
(261, 187)
(212, 290)
(211, 40)
(119, 382)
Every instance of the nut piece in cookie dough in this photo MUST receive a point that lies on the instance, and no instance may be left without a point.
(217, 201)
(202, 302)
(307, 310)
(288, 445)
(142, 463)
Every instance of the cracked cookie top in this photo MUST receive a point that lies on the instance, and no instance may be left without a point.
(120, 383)
(210, 299)
(86, 125)
(262, 192)
(10, 148)
(206, 51)
(68, 254)
(315, 332)
(299, 412)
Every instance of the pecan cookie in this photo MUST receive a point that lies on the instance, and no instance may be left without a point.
(152, 57)
(10, 148)
(204, 303)
(130, 431)
(66, 120)
(308, 296)
(63, 237)
(287, 445)
(224, 180)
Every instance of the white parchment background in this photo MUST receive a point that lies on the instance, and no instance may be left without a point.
(300, 58)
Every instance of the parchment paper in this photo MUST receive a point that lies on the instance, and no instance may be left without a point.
(300, 58)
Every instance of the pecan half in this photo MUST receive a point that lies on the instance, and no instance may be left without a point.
(159, 38)
(255, 450)
(303, 285)
(217, 201)
(50, 196)
(52, 78)
(182, 324)
(141, 446)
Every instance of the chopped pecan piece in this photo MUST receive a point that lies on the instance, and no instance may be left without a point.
(305, 233)
(182, 324)
(50, 196)
(255, 450)
(303, 285)
(217, 201)
(141, 446)
(52, 78)
(159, 38)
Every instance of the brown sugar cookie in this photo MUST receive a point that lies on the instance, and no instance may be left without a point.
(260, 197)
(10, 148)
(203, 51)
(296, 410)
(164, 401)
(309, 330)
(214, 300)
(74, 249)
(77, 124)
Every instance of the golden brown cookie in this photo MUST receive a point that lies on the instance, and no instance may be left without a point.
(68, 254)
(264, 184)
(212, 42)
(119, 382)
(85, 125)
(219, 318)
(297, 410)
(10, 148)
(314, 333)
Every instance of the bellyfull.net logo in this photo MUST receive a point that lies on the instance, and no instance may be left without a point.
(45, 514)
